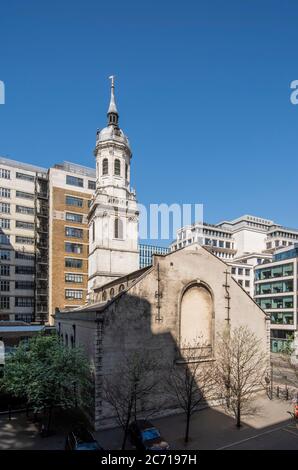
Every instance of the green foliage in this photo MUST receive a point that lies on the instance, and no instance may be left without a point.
(47, 374)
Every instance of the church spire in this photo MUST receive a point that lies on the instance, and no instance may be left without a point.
(113, 115)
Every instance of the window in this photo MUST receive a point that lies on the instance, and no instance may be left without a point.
(4, 223)
(221, 244)
(25, 210)
(4, 173)
(247, 283)
(24, 285)
(4, 239)
(21, 255)
(4, 302)
(247, 272)
(25, 240)
(240, 282)
(24, 301)
(27, 318)
(5, 207)
(126, 171)
(93, 231)
(4, 286)
(74, 201)
(91, 184)
(74, 181)
(73, 248)
(4, 270)
(24, 225)
(5, 255)
(5, 192)
(233, 270)
(73, 263)
(73, 232)
(118, 228)
(76, 278)
(23, 176)
(240, 271)
(24, 195)
(25, 270)
(282, 318)
(105, 166)
(117, 167)
(74, 217)
(73, 294)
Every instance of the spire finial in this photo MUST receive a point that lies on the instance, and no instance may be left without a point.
(112, 111)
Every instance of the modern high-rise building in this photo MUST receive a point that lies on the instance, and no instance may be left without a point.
(147, 252)
(276, 290)
(71, 188)
(43, 239)
(23, 242)
(228, 239)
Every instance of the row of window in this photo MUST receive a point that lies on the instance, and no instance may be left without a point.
(276, 302)
(117, 167)
(240, 271)
(282, 318)
(73, 294)
(5, 285)
(6, 174)
(5, 239)
(278, 243)
(246, 284)
(73, 232)
(79, 182)
(5, 209)
(5, 302)
(274, 287)
(6, 270)
(6, 193)
(272, 272)
(6, 223)
(7, 255)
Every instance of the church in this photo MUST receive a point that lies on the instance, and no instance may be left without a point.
(185, 294)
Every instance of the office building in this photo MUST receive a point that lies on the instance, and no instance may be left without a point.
(147, 252)
(276, 293)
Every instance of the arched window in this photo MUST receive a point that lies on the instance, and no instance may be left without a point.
(118, 228)
(105, 166)
(196, 317)
(126, 171)
(117, 167)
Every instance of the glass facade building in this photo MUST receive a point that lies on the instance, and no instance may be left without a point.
(276, 293)
(147, 251)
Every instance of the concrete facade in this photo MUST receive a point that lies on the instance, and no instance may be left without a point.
(187, 292)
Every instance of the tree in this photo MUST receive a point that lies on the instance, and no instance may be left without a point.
(191, 381)
(131, 386)
(239, 370)
(47, 374)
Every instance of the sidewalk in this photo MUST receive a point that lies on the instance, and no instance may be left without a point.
(270, 428)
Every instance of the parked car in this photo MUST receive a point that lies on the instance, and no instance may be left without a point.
(80, 438)
(144, 436)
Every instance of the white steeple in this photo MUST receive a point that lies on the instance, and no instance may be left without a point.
(113, 216)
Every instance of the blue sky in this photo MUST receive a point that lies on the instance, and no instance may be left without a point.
(203, 92)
